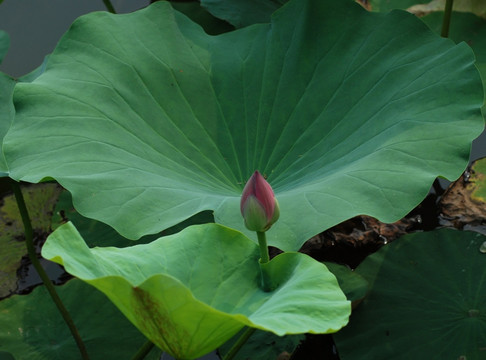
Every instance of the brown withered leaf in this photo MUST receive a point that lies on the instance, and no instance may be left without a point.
(464, 203)
(477, 7)
(351, 241)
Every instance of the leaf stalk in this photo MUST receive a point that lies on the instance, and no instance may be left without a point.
(239, 343)
(446, 22)
(40, 270)
(109, 6)
(143, 351)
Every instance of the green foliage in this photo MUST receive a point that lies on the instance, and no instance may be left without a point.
(352, 284)
(478, 179)
(341, 109)
(195, 12)
(241, 13)
(96, 233)
(192, 291)
(426, 300)
(33, 329)
(263, 346)
(465, 27)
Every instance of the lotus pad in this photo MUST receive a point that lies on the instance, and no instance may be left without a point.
(427, 300)
(33, 329)
(192, 291)
(147, 120)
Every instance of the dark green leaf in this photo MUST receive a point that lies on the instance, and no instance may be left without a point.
(263, 345)
(96, 233)
(352, 284)
(199, 15)
(427, 300)
(33, 329)
(242, 13)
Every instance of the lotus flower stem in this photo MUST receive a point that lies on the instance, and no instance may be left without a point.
(446, 22)
(143, 351)
(260, 210)
(266, 282)
(109, 6)
(262, 241)
(40, 270)
(239, 343)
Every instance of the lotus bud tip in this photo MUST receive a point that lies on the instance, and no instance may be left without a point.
(258, 205)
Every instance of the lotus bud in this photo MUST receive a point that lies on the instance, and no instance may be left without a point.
(258, 204)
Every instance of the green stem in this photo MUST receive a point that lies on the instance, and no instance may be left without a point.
(262, 241)
(40, 270)
(446, 22)
(239, 344)
(109, 6)
(143, 351)
(266, 282)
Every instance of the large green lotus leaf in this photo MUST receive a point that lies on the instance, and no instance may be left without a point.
(192, 291)
(465, 27)
(427, 300)
(148, 120)
(33, 329)
(96, 233)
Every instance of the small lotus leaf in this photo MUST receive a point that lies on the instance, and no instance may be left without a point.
(192, 291)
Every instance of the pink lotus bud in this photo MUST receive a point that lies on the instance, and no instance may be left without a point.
(258, 204)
